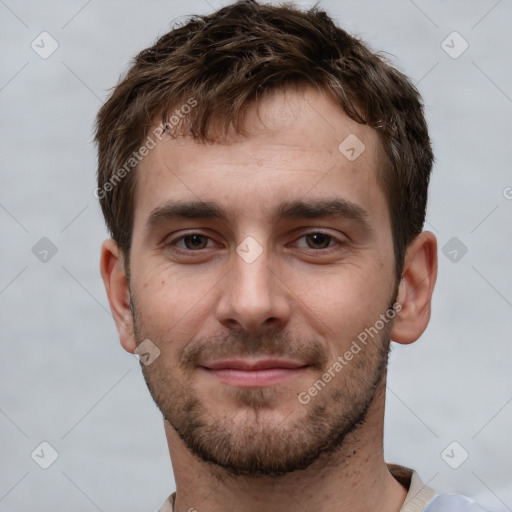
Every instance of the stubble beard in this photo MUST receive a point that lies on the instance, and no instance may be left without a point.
(256, 443)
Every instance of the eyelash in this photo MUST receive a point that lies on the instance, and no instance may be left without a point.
(173, 243)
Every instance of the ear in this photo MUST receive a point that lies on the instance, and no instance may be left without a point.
(118, 292)
(415, 289)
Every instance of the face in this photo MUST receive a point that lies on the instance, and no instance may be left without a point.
(257, 263)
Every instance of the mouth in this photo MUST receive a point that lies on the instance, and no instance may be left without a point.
(254, 373)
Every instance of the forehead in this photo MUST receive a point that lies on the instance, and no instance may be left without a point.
(297, 144)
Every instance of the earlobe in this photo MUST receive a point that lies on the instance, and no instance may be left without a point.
(118, 293)
(416, 289)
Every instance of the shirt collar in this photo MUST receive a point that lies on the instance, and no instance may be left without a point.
(418, 496)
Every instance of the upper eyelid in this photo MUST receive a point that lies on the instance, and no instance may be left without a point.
(178, 239)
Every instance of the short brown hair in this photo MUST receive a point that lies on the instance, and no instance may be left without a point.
(228, 60)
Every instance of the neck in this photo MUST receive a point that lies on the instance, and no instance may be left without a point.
(355, 478)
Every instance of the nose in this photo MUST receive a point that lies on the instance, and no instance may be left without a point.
(252, 297)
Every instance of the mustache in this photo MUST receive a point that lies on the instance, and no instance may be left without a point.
(239, 344)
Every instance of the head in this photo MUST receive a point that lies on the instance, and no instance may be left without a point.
(264, 179)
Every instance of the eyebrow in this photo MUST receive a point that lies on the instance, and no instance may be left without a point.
(298, 209)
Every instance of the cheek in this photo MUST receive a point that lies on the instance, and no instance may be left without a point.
(341, 303)
(172, 304)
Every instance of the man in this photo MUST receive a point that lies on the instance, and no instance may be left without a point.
(264, 177)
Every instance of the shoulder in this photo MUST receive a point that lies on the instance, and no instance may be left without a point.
(453, 503)
(421, 497)
(168, 505)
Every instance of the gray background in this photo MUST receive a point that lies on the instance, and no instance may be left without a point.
(64, 377)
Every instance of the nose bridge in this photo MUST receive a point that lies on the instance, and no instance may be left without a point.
(251, 297)
(252, 281)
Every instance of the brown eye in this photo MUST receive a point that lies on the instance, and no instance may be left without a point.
(318, 240)
(195, 241)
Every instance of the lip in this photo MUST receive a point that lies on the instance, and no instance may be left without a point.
(257, 364)
(257, 373)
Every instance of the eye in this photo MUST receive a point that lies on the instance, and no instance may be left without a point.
(317, 240)
(192, 242)
(195, 242)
